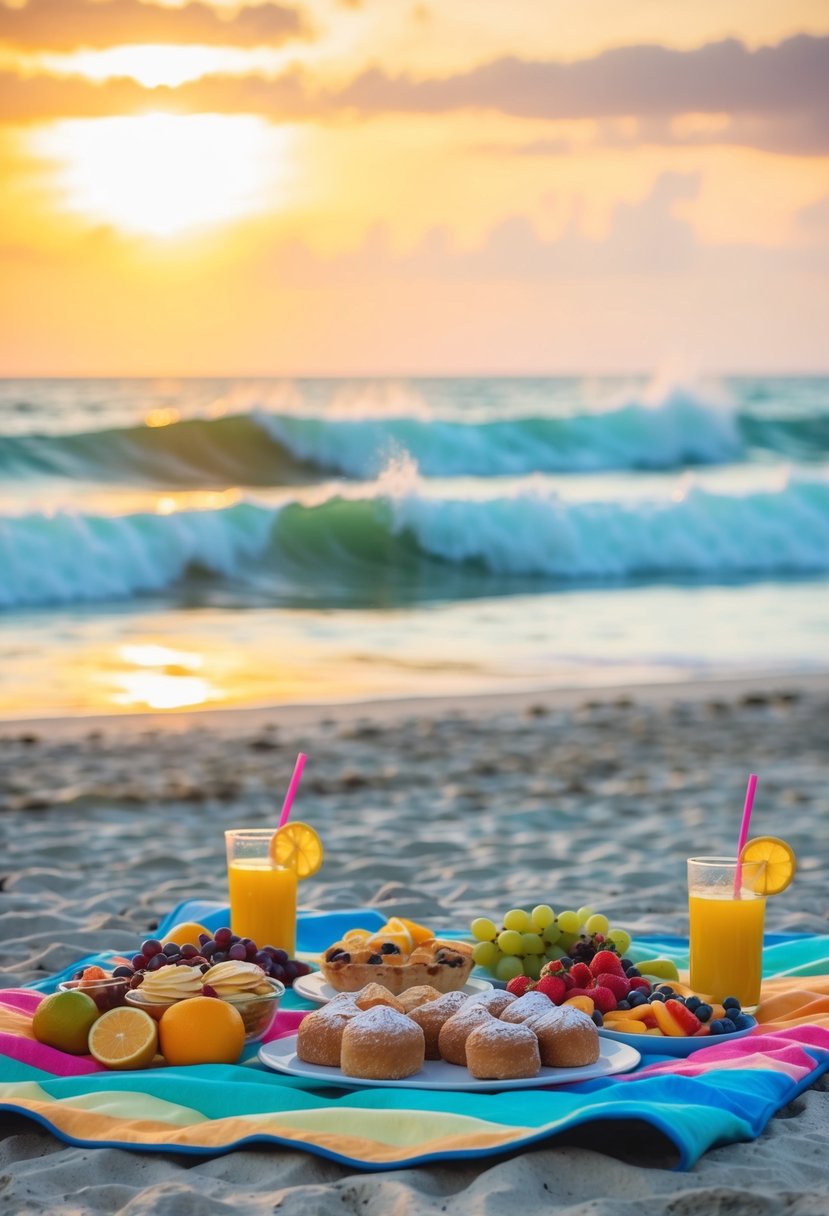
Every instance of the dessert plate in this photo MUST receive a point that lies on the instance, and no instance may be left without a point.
(665, 1045)
(437, 1074)
(314, 988)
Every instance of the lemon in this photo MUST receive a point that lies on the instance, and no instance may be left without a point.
(64, 1019)
(779, 864)
(296, 846)
(124, 1038)
(420, 933)
(394, 930)
(185, 934)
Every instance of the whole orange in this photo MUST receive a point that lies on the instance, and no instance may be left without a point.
(201, 1030)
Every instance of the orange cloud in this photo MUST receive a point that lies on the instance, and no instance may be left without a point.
(775, 98)
(68, 25)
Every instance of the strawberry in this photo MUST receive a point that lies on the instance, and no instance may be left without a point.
(581, 975)
(571, 992)
(603, 998)
(619, 985)
(520, 984)
(552, 986)
(606, 961)
(554, 967)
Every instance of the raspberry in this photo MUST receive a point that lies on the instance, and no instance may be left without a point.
(606, 961)
(639, 983)
(619, 985)
(520, 984)
(93, 973)
(581, 975)
(552, 986)
(603, 998)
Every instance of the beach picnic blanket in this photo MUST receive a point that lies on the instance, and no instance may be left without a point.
(722, 1093)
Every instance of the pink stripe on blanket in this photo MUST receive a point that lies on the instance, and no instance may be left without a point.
(778, 1050)
(49, 1059)
(23, 999)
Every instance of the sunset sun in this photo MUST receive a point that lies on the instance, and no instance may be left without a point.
(162, 174)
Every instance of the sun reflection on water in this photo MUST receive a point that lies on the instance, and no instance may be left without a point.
(164, 679)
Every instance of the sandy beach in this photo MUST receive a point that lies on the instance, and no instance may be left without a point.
(440, 810)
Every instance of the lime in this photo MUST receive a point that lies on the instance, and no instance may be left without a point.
(64, 1019)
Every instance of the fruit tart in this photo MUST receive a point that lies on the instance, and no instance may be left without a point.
(396, 961)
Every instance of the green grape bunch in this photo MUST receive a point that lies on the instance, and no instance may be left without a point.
(527, 940)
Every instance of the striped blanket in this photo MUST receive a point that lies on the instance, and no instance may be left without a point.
(722, 1093)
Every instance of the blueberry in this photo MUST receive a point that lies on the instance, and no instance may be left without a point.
(633, 973)
(623, 1005)
(658, 996)
(375, 958)
(626, 963)
(692, 1003)
(598, 1020)
(666, 988)
(703, 1011)
(636, 998)
(389, 948)
(731, 1002)
(719, 1026)
(744, 1022)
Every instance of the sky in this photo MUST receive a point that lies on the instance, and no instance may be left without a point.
(403, 187)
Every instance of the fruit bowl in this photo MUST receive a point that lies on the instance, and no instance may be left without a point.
(673, 1045)
(258, 1009)
(107, 993)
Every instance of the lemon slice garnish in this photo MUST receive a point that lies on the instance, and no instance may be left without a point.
(778, 864)
(296, 846)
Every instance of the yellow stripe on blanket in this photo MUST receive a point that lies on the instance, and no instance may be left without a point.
(15, 1021)
(385, 1136)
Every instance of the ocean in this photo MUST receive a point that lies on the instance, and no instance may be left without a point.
(171, 544)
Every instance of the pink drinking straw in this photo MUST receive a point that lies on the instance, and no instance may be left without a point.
(748, 804)
(292, 788)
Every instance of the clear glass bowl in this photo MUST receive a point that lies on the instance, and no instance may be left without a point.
(258, 1009)
(106, 993)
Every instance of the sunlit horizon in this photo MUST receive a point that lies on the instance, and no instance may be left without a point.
(359, 189)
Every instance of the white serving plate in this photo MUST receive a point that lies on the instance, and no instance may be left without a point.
(314, 987)
(437, 1074)
(667, 1045)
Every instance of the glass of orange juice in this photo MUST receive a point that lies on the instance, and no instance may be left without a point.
(262, 895)
(727, 916)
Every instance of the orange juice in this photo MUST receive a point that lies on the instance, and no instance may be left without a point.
(727, 946)
(263, 902)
